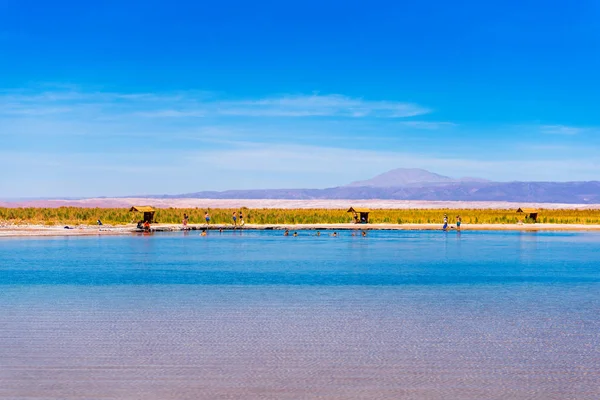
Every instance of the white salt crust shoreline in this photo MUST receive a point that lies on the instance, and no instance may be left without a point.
(92, 230)
(271, 203)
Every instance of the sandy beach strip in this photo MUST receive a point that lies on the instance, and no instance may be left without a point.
(42, 230)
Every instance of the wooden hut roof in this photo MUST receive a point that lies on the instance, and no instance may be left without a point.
(528, 210)
(359, 210)
(141, 209)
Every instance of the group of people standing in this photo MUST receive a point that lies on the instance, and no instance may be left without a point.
(458, 222)
(238, 219)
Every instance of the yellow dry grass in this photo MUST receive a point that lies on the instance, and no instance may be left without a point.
(120, 216)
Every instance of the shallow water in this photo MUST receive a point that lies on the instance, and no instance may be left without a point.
(416, 315)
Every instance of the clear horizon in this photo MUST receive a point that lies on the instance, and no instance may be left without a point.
(141, 97)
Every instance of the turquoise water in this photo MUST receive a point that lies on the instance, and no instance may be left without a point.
(423, 315)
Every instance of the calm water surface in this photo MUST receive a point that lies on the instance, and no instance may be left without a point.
(414, 315)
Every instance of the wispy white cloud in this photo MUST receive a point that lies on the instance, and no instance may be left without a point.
(320, 105)
(25, 110)
(428, 125)
(171, 114)
(561, 130)
(197, 104)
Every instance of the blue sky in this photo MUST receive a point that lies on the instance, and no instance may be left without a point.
(134, 97)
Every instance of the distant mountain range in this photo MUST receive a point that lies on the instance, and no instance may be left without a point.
(402, 177)
(419, 184)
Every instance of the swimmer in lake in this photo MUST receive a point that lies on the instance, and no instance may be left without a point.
(295, 234)
(286, 232)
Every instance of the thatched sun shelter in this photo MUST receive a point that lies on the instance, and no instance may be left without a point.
(147, 210)
(360, 215)
(530, 213)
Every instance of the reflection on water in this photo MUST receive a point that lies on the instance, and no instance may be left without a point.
(393, 315)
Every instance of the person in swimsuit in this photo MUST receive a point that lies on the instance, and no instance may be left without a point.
(207, 218)
(286, 232)
(185, 220)
(445, 227)
(458, 221)
(241, 219)
(234, 217)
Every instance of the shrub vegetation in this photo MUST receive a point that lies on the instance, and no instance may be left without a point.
(121, 216)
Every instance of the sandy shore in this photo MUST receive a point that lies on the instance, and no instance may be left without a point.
(84, 230)
(42, 230)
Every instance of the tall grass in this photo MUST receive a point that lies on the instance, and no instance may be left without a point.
(121, 216)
